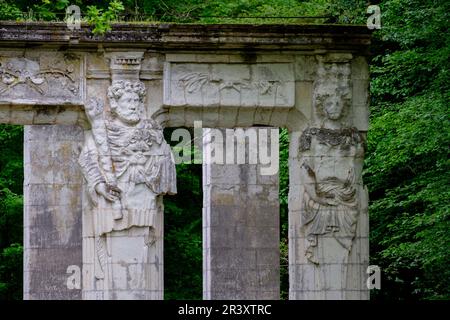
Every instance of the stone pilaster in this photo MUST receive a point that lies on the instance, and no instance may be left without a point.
(240, 229)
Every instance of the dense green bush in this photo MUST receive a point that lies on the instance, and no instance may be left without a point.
(11, 272)
(407, 166)
(11, 223)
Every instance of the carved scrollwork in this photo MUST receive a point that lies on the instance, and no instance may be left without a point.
(193, 82)
(230, 85)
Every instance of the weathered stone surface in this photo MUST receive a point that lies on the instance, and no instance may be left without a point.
(198, 37)
(327, 201)
(127, 166)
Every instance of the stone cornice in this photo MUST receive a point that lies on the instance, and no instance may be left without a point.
(192, 36)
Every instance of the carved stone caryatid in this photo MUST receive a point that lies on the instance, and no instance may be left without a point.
(331, 153)
(128, 166)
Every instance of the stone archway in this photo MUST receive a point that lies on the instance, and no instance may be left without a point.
(312, 80)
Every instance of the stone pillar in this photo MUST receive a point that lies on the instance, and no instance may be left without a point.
(241, 257)
(328, 216)
(52, 213)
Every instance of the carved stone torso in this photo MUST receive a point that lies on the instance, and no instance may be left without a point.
(132, 150)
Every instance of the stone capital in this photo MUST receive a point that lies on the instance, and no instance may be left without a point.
(125, 65)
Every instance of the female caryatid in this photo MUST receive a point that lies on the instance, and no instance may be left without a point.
(329, 202)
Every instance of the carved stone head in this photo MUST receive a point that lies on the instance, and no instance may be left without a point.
(126, 99)
(332, 90)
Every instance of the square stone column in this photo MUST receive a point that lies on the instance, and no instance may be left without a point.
(52, 213)
(241, 258)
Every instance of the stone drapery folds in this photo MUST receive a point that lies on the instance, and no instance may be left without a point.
(111, 94)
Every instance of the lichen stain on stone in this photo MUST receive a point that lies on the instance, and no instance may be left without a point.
(224, 199)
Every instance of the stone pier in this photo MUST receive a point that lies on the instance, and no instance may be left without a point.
(241, 242)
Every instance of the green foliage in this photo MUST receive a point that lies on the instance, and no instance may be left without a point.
(47, 10)
(9, 11)
(101, 14)
(348, 11)
(11, 272)
(11, 158)
(10, 217)
(234, 11)
(284, 191)
(217, 11)
(11, 184)
(413, 49)
(408, 174)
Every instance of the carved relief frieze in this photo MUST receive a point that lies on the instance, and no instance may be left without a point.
(232, 85)
(52, 78)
